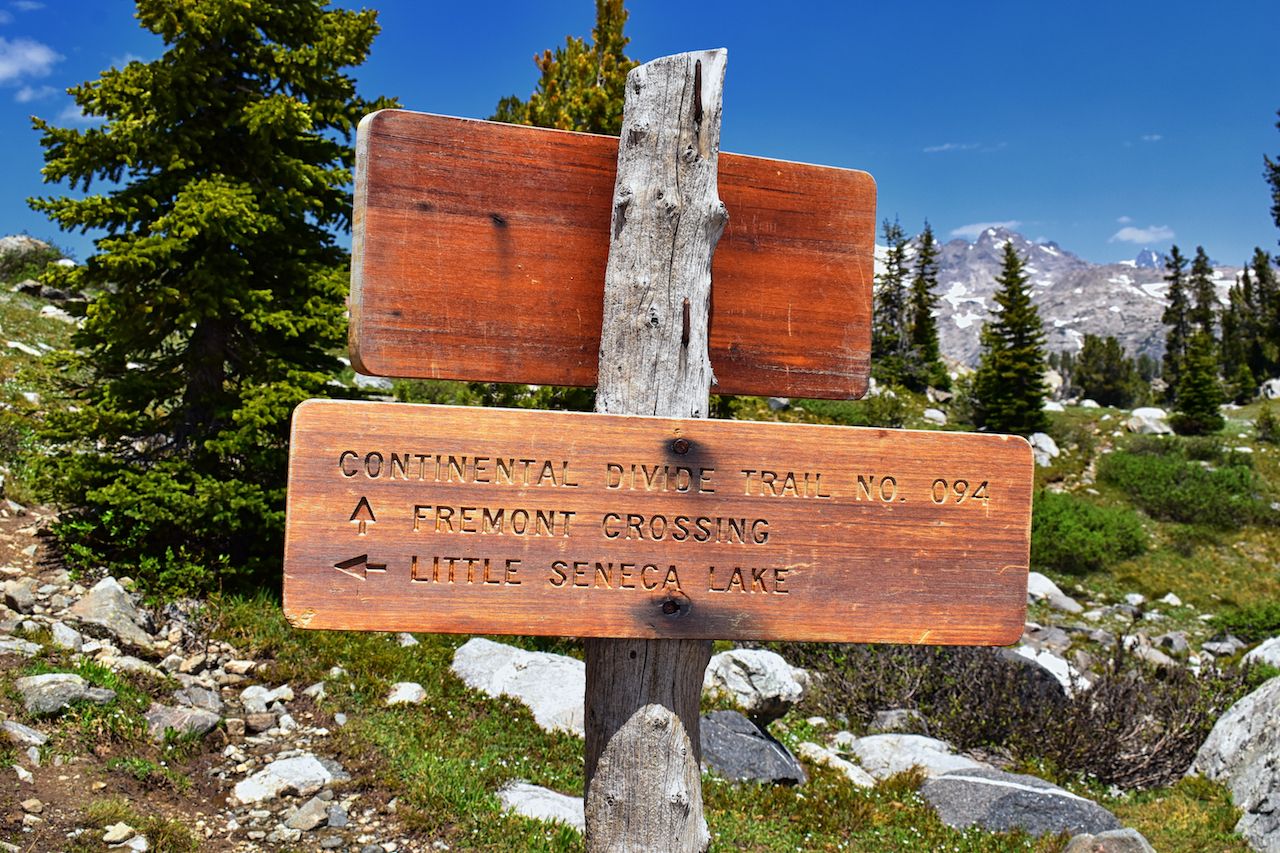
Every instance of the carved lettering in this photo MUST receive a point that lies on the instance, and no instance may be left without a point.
(681, 528)
(497, 521)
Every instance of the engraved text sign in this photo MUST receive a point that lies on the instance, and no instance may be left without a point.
(465, 520)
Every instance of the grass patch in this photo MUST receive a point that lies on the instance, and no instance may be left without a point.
(1252, 622)
(1193, 814)
(164, 835)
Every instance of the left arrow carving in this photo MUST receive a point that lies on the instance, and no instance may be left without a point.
(359, 567)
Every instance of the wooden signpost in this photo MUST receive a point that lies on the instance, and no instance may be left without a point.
(495, 253)
(450, 519)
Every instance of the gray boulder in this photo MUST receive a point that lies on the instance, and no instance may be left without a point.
(109, 607)
(53, 691)
(18, 646)
(1044, 449)
(301, 774)
(1040, 588)
(1270, 390)
(1243, 752)
(760, 682)
(1111, 841)
(541, 803)
(552, 686)
(196, 696)
(309, 815)
(66, 637)
(1268, 652)
(20, 735)
(1002, 802)
(825, 757)
(19, 595)
(885, 755)
(184, 721)
(737, 749)
(1149, 420)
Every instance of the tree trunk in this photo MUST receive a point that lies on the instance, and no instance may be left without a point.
(643, 754)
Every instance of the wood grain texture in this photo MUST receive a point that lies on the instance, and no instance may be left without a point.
(887, 564)
(643, 751)
(479, 253)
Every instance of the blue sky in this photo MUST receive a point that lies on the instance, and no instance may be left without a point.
(1105, 126)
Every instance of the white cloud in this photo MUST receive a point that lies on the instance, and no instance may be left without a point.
(122, 61)
(971, 231)
(71, 114)
(27, 94)
(5, 17)
(1151, 234)
(1151, 137)
(26, 5)
(1124, 220)
(23, 57)
(951, 146)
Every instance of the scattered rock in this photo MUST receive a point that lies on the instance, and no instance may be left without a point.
(737, 749)
(1111, 841)
(1149, 420)
(257, 723)
(1086, 403)
(1040, 587)
(301, 774)
(1243, 752)
(337, 816)
(53, 691)
(406, 693)
(552, 686)
(1171, 600)
(1053, 406)
(1002, 802)
(761, 682)
(32, 806)
(542, 804)
(184, 721)
(1044, 449)
(18, 646)
(66, 637)
(1223, 646)
(118, 832)
(1065, 674)
(405, 639)
(199, 697)
(19, 595)
(108, 606)
(1270, 390)
(313, 813)
(935, 416)
(884, 755)
(824, 757)
(20, 735)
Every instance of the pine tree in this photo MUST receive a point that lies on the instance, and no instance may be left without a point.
(223, 170)
(1200, 282)
(1177, 317)
(924, 357)
(1105, 374)
(1239, 335)
(1009, 386)
(581, 85)
(889, 311)
(1198, 396)
(1271, 171)
(1264, 351)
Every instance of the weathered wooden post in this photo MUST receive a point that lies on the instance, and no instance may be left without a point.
(643, 773)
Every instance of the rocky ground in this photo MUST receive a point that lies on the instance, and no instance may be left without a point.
(258, 766)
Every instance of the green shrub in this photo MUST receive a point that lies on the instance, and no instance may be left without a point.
(1072, 535)
(1266, 426)
(1177, 487)
(887, 409)
(1252, 622)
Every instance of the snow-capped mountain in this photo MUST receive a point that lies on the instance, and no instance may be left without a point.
(1149, 259)
(1074, 296)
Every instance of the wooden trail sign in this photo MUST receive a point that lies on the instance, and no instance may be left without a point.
(493, 521)
(479, 253)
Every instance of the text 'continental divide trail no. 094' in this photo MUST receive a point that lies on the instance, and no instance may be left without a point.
(463, 520)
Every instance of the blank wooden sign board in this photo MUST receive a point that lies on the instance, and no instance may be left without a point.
(479, 253)
(464, 520)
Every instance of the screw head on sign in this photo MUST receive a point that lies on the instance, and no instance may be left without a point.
(680, 445)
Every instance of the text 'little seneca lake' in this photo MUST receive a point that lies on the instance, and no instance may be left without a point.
(501, 517)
